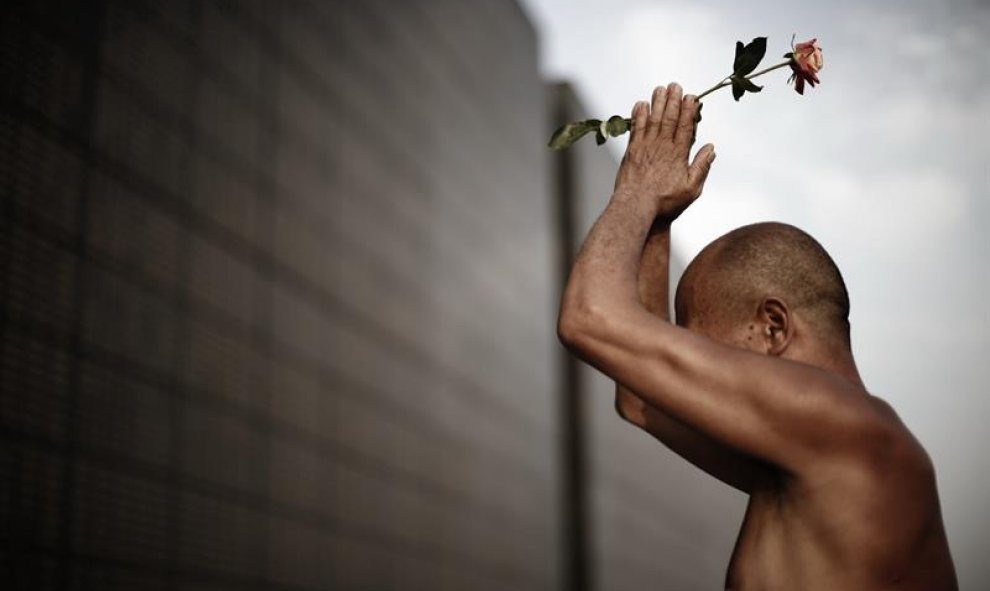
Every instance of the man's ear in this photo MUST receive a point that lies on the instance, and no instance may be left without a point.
(778, 329)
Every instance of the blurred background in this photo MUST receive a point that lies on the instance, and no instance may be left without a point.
(279, 281)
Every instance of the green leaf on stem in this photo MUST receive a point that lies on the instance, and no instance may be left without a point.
(742, 85)
(616, 125)
(749, 56)
(737, 90)
(567, 134)
(750, 86)
(600, 137)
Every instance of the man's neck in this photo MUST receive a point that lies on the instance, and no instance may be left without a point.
(835, 359)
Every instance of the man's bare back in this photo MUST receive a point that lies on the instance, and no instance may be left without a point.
(756, 384)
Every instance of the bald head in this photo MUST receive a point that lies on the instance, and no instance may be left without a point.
(726, 283)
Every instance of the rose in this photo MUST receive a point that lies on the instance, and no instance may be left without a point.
(806, 61)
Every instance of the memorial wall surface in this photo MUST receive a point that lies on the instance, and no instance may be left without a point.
(277, 297)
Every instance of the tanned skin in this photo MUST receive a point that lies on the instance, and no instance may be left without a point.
(842, 496)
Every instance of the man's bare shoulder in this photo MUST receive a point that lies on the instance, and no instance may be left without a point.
(878, 443)
(899, 444)
(882, 473)
(878, 509)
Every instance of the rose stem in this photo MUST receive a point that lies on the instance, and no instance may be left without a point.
(723, 83)
(771, 68)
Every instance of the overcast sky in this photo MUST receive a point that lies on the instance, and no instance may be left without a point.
(885, 163)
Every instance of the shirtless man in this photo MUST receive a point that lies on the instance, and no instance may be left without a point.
(756, 384)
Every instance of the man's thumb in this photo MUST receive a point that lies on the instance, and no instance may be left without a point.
(698, 171)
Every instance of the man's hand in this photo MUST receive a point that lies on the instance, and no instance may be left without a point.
(655, 165)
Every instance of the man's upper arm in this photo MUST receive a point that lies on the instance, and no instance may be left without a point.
(783, 412)
(728, 465)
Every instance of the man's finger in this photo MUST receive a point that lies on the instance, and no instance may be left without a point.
(686, 126)
(639, 114)
(702, 164)
(671, 112)
(656, 111)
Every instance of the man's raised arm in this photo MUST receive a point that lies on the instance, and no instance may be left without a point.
(729, 466)
(782, 412)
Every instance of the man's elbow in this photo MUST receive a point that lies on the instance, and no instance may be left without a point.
(567, 328)
(574, 324)
(630, 407)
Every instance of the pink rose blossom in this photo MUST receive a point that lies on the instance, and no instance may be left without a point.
(806, 61)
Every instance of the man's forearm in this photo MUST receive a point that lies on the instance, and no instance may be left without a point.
(652, 286)
(653, 279)
(654, 268)
(605, 272)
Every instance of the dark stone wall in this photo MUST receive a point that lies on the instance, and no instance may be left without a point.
(278, 297)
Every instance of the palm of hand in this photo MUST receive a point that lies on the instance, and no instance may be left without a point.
(655, 165)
